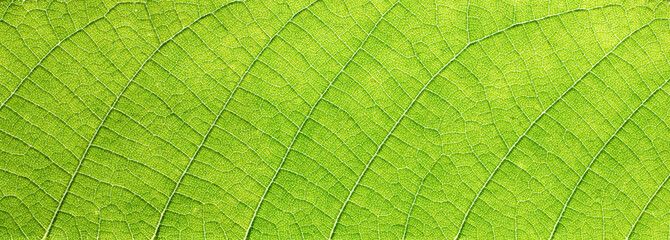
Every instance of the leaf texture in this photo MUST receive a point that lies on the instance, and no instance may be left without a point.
(345, 119)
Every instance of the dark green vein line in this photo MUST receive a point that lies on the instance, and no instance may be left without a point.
(581, 178)
(309, 114)
(90, 143)
(39, 63)
(647, 206)
(467, 213)
(416, 194)
(428, 83)
(423, 180)
(202, 143)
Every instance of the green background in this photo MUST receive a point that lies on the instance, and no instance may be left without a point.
(348, 119)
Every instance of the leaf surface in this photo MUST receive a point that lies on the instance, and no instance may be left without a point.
(473, 119)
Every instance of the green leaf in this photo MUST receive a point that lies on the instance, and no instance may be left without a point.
(473, 119)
